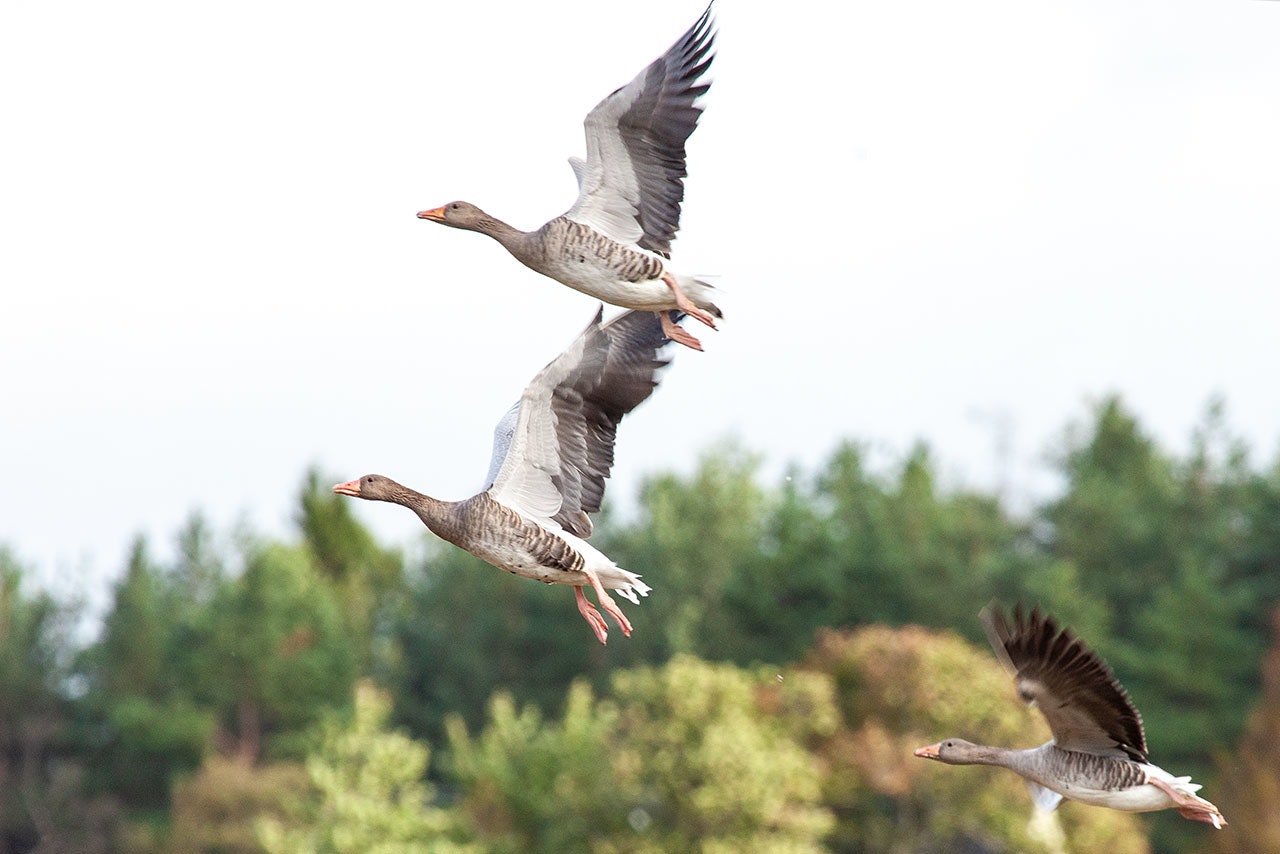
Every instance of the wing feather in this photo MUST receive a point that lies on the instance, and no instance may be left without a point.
(561, 448)
(503, 435)
(632, 183)
(1085, 705)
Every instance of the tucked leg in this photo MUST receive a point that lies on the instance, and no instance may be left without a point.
(611, 608)
(591, 615)
(686, 305)
(1191, 806)
(676, 334)
(1208, 816)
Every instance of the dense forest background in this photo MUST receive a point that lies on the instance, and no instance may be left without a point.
(330, 694)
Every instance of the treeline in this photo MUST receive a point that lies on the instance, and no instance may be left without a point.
(329, 695)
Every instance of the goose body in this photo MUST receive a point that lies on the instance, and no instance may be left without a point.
(520, 544)
(615, 241)
(552, 452)
(1054, 773)
(580, 257)
(1098, 754)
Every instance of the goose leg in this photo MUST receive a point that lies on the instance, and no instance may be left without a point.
(676, 334)
(686, 305)
(1191, 806)
(591, 615)
(1208, 816)
(607, 603)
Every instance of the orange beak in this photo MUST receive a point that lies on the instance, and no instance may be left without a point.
(351, 487)
(930, 752)
(435, 214)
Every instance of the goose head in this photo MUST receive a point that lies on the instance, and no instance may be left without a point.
(457, 214)
(955, 751)
(372, 487)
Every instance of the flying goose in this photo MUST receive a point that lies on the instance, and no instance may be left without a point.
(614, 243)
(1098, 754)
(551, 454)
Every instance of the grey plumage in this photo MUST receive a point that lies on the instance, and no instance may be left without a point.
(567, 419)
(1049, 765)
(502, 436)
(1086, 707)
(1098, 754)
(585, 250)
(614, 242)
(652, 118)
(501, 529)
(552, 453)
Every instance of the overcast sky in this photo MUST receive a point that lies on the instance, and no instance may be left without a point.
(928, 219)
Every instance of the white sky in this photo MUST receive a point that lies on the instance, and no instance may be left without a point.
(926, 217)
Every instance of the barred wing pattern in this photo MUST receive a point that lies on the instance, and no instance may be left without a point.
(632, 182)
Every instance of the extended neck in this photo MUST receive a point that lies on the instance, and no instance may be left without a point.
(509, 236)
(985, 754)
(1041, 764)
(440, 516)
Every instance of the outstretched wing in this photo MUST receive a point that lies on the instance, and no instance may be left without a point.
(1086, 707)
(632, 182)
(554, 449)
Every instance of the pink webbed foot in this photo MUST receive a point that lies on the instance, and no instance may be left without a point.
(686, 305)
(1201, 814)
(591, 615)
(610, 607)
(1190, 805)
(677, 334)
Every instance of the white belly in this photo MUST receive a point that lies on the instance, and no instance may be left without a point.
(649, 295)
(517, 560)
(1144, 798)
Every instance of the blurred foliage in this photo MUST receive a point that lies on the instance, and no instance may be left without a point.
(277, 656)
(363, 575)
(694, 536)
(536, 785)
(216, 809)
(713, 771)
(1250, 796)
(467, 630)
(221, 669)
(142, 725)
(682, 758)
(852, 546)
(44, 803)
(366, 794)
